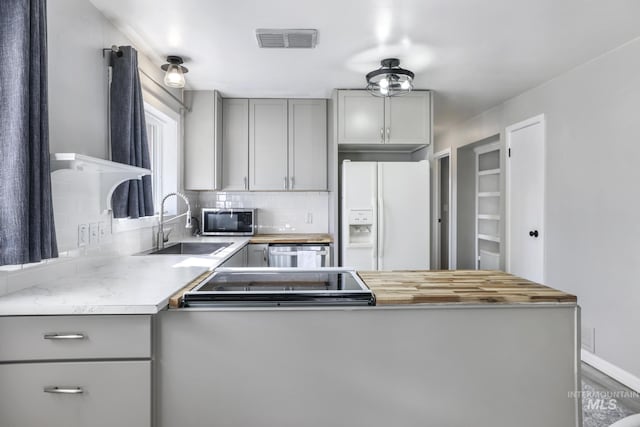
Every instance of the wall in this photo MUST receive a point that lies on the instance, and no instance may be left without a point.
(278, 212)
(466, 203)
(592, 245)
(78, 122)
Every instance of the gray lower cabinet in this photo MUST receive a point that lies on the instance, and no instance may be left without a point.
(87, 394)
(239, 259)
(258, 255)
(89, 371)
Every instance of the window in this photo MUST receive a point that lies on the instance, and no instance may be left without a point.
(162, 133)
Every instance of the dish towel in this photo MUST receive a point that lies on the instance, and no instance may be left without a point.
(307, 259)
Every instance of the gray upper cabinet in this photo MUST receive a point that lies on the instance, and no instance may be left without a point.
(366, 119)
(360, 117)
(203, 141)
(408, 119)
(268, 144)
(308, 144)
(235, 144)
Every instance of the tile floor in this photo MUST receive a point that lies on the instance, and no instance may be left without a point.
(605, 400)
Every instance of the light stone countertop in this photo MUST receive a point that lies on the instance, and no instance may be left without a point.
(116, 285)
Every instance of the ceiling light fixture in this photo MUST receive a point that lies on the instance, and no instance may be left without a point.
(390, 79)
(174, 76)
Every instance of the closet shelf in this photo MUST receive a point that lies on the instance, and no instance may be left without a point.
(111, 173)
(489, 238)
(489, 194)
(489, 172)
(489, 216)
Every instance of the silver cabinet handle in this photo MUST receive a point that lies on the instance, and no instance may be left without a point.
(63, 390)
(264, 254)
(388, 134)
(77, 336)
(292, 183)
(382, 135)
(285, 182)
(246, 186)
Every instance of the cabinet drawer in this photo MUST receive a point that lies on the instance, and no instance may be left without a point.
(74, 337)
(112, 394)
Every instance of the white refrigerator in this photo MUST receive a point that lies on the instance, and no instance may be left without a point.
(385, 215)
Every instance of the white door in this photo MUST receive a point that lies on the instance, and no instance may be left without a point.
(525, 199)
(403, 215)
(359, 215)
(308, 144)
(408, 118)
(268, 144)
(360, 118)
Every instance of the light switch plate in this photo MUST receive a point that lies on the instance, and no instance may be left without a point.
(83, 235)
(94, 237)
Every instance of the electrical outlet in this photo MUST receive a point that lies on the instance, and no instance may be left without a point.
(309, 218)
(83, 235)
(102, 232)
(94, 236)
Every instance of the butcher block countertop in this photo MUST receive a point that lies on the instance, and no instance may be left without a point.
(458, 286)
(291, 238)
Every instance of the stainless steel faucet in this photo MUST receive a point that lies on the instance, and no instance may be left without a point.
(162, 222)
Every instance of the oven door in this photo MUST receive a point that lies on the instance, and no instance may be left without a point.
(221, 222)
(301, 256)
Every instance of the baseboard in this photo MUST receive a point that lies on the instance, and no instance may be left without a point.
(612, 370)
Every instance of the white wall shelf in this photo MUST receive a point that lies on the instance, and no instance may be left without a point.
(111, 173)
(489, 172)
(489, 238)
(490, 217)
(488, 206)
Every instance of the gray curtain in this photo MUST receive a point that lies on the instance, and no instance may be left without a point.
(27, 231)
(129, 135)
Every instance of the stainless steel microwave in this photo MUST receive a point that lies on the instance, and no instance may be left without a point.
(225, 222)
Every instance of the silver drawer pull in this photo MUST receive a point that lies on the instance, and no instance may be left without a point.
(64, 390)
(64, 336)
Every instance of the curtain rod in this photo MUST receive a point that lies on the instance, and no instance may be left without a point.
(116, 50)
(166, 90)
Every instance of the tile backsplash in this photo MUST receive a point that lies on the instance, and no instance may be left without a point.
(278, 212)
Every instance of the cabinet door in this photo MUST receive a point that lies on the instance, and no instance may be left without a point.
(202, 142)
(268, 144)
(408, 118)
(257, 255)
(112, 394)
(307, 144)
(360, 118)
(235, 144)
(239, 259)
(74, 337)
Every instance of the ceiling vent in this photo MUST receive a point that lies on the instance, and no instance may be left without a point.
(286, 39)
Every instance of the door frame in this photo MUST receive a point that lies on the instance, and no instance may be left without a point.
(437, 208)
(509, 130)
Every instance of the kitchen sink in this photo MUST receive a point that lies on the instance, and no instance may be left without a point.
(191, 248)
